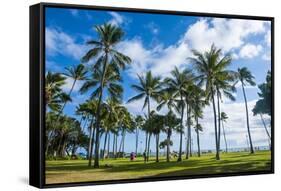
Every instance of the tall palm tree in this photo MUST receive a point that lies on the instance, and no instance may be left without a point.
(105, 52)
(139, 120)
(110, 84)
(197, 102)
(224, 117)
(211, 66)
(246, 78)
(177, 85)
(166, 98)
(148, 88)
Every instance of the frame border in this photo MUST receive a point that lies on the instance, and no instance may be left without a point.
(37, 137)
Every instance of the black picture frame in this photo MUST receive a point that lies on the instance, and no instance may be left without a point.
(37, 109)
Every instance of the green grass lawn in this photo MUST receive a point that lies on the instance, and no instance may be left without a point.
(78, 171)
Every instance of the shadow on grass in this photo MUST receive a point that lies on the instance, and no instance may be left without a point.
(190, 166)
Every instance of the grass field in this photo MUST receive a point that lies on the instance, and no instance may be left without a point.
(78, 171)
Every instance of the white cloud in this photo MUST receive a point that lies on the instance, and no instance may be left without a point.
(159, 60)
(117, 19)
(250, 51)
(227, 34)
(68, 85)
(59, 42)
(267, 38)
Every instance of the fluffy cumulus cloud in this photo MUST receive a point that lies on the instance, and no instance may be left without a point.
(154, 59)
(250, 50)
(59, 42)
(228, 34)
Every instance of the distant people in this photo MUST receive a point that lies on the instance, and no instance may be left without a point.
(132, 156)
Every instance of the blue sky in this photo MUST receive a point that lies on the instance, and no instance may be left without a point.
(158, 43)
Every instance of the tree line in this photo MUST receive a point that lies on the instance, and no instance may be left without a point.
(187, 91)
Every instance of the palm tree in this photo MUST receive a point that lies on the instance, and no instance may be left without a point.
(53, 90)
(148, 88)
(77, 73)
(197, 102)
(177, 85)
(104, 50)
(166, 98)
(54, 97)
(263, 105)
(113, 108)
(171, 123)
(139, 120)
(246, 78)
(211, 66)
(110, 84)
(223, 120)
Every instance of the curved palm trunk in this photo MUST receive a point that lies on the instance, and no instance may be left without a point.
(247, 117)
(198, 140)
(264, 125)
(226, 150)
(180, 150)
(215, 123)
(157, 148)
(219, 120)
(97, 144)
(69, 94)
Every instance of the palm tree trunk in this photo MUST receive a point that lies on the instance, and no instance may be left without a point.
(189, 138)
(182, 111)
(198, 141)
(215, 122)
(69, 94)
(148, 147)
(146, 140)
(104, 144)
(226, 150)
(247, 117)
(264, 125)
(108, 145)
(157, 148)
(123, 144)
(137, 140)
(219, 120)
(97, 145)
(187, 131)
(168, 145)
(91, 143)
(113, 145)
(148, 110)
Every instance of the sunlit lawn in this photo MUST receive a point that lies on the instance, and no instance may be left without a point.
(78, 171)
